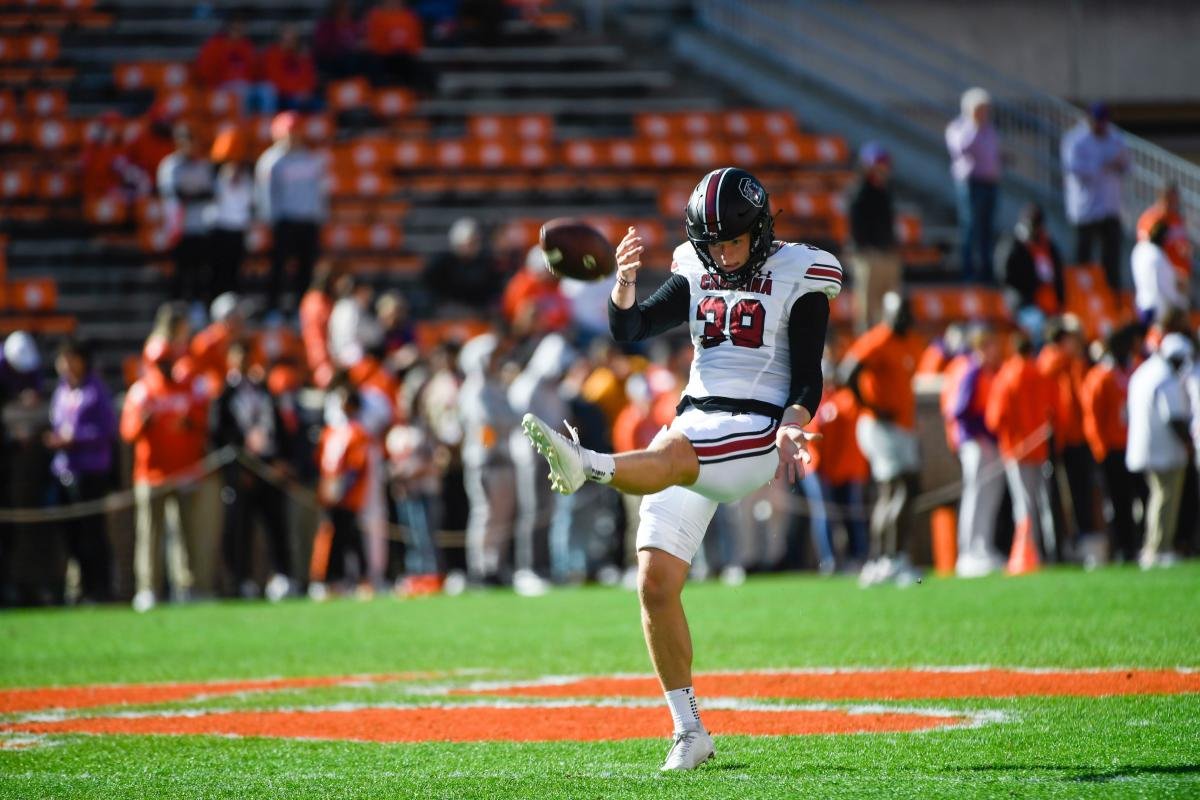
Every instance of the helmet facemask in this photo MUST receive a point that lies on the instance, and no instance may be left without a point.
(762, 236)
(729, 203)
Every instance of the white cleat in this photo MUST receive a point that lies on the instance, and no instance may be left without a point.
(562, 454)
(689, 750)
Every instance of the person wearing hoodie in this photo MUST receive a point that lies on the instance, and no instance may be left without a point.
(1160, 443)
(82, 434)
(488, 422)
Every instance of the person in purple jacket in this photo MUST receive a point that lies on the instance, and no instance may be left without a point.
(983, 475)
(82, 432)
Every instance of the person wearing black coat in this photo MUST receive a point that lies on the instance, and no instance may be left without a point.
(1032, 269)
(247, 416)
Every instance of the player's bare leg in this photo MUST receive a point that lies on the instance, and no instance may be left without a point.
(660, 588)
(661, 577)
(669, 461)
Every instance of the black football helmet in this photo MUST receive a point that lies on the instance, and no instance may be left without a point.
(728, 203)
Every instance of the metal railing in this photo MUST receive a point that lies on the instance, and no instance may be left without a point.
(915, 82)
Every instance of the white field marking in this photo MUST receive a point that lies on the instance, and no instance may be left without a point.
(973, 718)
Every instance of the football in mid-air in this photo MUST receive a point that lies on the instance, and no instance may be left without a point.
(574, 249)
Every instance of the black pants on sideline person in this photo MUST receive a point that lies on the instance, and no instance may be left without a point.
(192, 257)
(1123, 486)
(1107, 234)
(293, 241)
(247, 496)
(86, 538)
(228, 253)
(347, 538)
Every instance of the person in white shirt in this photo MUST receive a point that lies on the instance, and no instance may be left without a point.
(1094, 163)
(353, 328)
(229, 219)
(1155, 282)
(1159, 441)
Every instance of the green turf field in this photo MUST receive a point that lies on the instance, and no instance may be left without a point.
(1124, 746)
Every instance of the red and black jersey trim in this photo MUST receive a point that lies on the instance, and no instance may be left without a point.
(826, 273)
(736, 445)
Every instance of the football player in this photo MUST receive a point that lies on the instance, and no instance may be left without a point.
(757, 309)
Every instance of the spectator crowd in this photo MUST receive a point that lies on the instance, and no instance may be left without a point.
(360, 430)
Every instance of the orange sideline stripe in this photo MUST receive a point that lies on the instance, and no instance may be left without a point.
(880, 685)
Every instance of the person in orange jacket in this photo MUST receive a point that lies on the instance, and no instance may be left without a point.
(344, 462)
(288, 66)
(395, 38)
(840, 465)
(316, 307)
(1020, 414)
(1106, 428)
(227, 60)
(167, 427)
(1061, 362)
(879, 369)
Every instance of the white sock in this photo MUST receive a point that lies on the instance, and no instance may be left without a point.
(599, 467)
(684, 712)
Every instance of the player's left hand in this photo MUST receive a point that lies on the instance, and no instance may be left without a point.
(791, 444)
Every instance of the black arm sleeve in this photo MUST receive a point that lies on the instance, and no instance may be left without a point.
(806, 341)
(660, 312)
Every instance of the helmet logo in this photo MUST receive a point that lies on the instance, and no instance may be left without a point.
(752, 191)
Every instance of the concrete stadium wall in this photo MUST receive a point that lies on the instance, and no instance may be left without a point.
(1083, 50)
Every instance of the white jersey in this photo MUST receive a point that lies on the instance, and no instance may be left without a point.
(741, 335)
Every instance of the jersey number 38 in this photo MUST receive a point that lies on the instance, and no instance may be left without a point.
(745, 322)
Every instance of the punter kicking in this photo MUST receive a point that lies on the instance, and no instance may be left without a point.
(758, 311)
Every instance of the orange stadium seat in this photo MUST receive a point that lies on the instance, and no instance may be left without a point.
(221, 104)
(317, 128)
(360, 236)
(455, 154)
(534, 155)
(702, 154)
(757, 122)
(57, 185)
(42, 47)
(365, 153)
(361, 184)
(499, 155)
(154, 238)
(392, 102)
(584, 154)
(46, 102)
(105, 211)
(806, 205)
(150, 75)
(531, 127)
(178, 102)
(16, 183)
(348, 94)
(412, 154)
(747, 154)
(8, 102)
(31, 294)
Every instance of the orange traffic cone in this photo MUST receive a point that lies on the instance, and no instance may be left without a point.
(943, 525)
(1024, 556)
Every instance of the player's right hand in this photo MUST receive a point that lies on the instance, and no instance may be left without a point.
(629, 255)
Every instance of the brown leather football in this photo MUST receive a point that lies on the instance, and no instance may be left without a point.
(574, 249)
